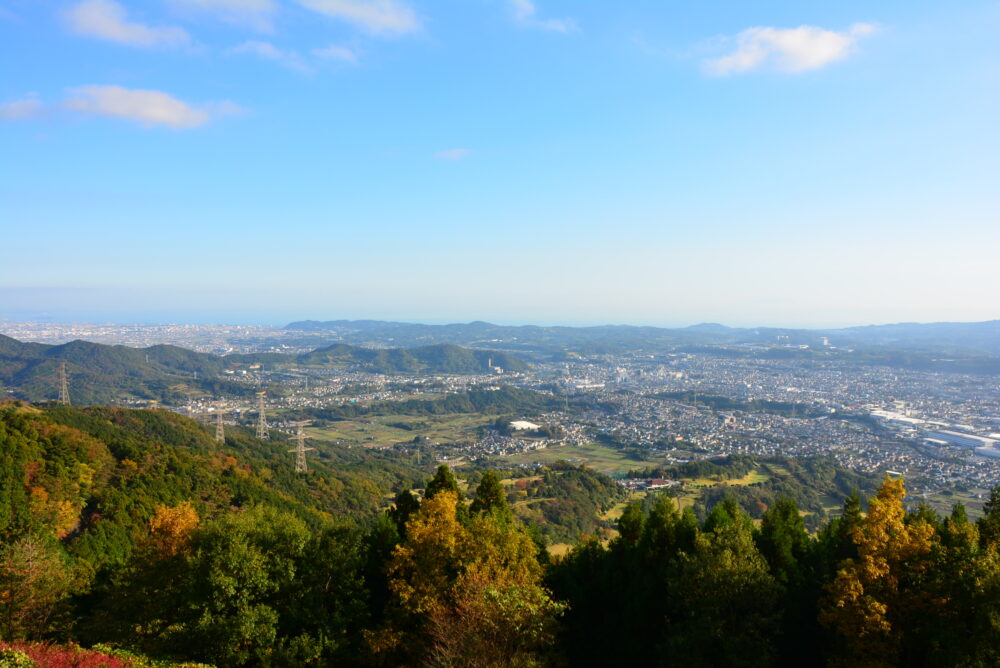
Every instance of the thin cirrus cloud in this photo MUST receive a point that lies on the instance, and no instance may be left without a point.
(788, 50)
(255, 14)
(268, 51)
(526, 14)
(334, 52)
(28, 107)
(380, 17)
(149, 108)
(108, 20)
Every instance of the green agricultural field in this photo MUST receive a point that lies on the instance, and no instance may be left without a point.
(944, 501)
(386, 430)
(598, 457)
(755, 476)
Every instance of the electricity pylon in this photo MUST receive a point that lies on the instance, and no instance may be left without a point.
(300, 447)
(261, 418)
(63, 385)
(220, 431)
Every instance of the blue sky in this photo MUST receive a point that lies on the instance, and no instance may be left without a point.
(779, 163)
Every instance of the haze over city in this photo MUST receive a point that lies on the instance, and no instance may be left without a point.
(519, 162)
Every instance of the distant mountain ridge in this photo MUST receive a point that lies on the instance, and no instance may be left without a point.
(101, 373)
(981, 338)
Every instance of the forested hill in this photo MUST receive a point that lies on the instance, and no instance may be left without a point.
(132, 531)
(442, 358)
(100, 373)
(962, 338)
(94, 476)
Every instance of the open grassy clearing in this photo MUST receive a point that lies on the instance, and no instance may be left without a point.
(598, 457)
(777, 469)
(616, 511)
(385, 430)
(753, 477)
(943, 502)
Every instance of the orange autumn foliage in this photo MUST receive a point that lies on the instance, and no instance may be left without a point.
(171, 527)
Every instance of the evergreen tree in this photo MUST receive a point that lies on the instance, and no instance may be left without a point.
(630, 525)
(784, 542)
(404, 508)
(443, 481)
(989, 523)
(490, 496)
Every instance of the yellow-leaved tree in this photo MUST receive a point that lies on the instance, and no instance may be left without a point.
(872, 596)
(171, 528)
(473, 593)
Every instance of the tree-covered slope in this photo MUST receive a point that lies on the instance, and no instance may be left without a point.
(566, 503)
(101, 374)
(94, 476)
(442, 358)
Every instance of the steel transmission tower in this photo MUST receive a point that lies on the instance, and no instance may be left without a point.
(300, 447)
(261, 418)
(220, 431)
(63, 385)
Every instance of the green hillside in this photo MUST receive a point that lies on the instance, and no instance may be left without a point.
(95, 475)
(101, 374)
(443, 358)
(131, 532)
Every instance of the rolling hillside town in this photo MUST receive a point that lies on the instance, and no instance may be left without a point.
(939, 429)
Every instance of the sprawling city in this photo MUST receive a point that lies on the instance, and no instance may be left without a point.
(939, 429)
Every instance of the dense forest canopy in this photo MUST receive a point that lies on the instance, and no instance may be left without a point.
(131, 533)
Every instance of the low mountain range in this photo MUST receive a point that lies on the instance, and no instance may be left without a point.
(974, 338)
(100, 373)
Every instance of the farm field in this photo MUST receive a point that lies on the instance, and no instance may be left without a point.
(384, 431)
(599, 457)
(973, 500)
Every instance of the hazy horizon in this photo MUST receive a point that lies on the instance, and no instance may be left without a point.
(249, 320)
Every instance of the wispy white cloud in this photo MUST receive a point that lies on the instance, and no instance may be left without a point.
(255, 14)
(334, 52)
(383, 17)
(146, 107)
(452, 154)
(268, 51)
(28, 107)
(526, 14)
(788, 50)
(106, 19)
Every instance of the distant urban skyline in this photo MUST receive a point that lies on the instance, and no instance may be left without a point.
(517, 161)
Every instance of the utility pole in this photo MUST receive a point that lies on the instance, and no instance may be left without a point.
(261, 418)
(63, 385)
(300, 447)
